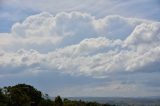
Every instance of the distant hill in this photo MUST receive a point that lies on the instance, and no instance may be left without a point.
(123, 101)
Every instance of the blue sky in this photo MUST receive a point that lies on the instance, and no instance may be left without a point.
(81, 48)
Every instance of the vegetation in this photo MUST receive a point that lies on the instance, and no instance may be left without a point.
(26, 95)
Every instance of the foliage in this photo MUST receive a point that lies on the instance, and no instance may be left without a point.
(23, 95)
(26, 95)
(58, 101)
(46, 102)
(3, 99)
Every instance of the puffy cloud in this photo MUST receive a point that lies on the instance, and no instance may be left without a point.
(63, 29)
(115, 26)
(36, 27)
(4, 39)
(145, 34)
(87, 46)
(84, 59)
(19, 62)
(46, 29)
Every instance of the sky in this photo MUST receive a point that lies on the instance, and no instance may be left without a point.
(91, 48)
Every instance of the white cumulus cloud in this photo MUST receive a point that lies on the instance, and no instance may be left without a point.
(81, 45)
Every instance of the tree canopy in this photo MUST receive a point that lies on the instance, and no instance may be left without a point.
(27, 95)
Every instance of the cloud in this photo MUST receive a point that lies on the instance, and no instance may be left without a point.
(145, 34)
(18, 12)
(79, 44)
(47, 31)
(109, 89)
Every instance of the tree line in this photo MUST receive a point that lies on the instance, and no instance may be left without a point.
(27, 95)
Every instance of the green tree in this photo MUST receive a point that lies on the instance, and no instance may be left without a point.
(46, 102)
(58, 101)
(23, 95)
(26, 95)
(3, 99)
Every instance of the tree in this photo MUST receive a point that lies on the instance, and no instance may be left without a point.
(23, 95)
(3, 99)
(26, 95)
(58, 101)
(46, 102)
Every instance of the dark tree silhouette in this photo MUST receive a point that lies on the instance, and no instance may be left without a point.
(26, 95)
(3, 98)
(23, 95)
(58, 101)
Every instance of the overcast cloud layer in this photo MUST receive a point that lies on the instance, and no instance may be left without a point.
(107, 51)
